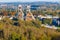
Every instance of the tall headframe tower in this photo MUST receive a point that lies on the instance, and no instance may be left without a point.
(29, 15)
(20, 12)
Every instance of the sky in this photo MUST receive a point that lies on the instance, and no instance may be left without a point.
(28, 0)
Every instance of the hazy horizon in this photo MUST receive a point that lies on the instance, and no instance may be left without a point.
(28, 0)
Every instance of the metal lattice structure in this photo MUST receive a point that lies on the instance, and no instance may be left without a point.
(29, 15)
(20, 12)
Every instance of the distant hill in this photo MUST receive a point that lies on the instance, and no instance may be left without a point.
(30, 3)
(34, 4)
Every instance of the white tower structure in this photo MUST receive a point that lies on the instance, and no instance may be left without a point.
(29, 15)
(20, 12)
